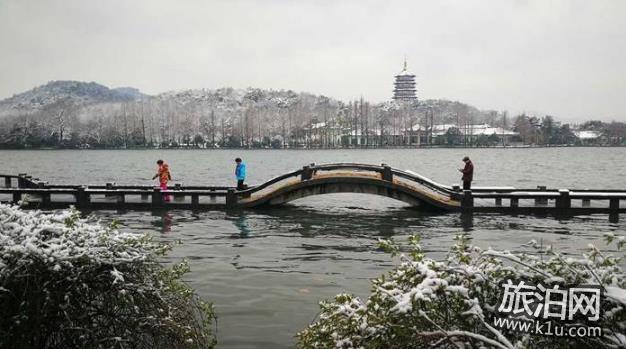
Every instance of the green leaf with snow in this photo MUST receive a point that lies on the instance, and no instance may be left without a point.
(66, 282)
(426, 303)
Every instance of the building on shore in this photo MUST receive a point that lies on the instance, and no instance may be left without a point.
(324, 135)
(404, 86)
(451, 134)
(588, 137)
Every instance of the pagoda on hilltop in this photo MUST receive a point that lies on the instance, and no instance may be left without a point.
(404, 86)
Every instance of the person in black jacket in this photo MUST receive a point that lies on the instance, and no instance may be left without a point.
(468, 173)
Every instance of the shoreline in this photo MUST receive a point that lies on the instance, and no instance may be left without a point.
(337, 148)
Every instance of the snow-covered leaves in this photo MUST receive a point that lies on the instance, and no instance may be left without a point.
(69, 282)
(450, 303)
(62, 239)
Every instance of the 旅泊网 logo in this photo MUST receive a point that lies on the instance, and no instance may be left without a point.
(549, 310)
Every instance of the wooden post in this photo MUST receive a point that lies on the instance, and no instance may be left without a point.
(109, 188)
(231, 198)
(541, 201)
(178, 197)
(82, 199)
(21, 183)
(45, 199)
(386, 173)
(7, 182)
(563, 201)
(157, 198)
(614, 213)
(614, 204)
(498, 201)
(306, 173)
(45, 196)
(211, 197)
(195, 200)
(468, 200)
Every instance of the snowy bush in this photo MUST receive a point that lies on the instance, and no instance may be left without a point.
(69, 283)
(424, 303)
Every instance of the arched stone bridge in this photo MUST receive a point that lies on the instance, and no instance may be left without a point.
(350, 178)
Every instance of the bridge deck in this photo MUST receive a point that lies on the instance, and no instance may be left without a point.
(381, 180)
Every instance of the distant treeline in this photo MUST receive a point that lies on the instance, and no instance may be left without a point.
(255, 118)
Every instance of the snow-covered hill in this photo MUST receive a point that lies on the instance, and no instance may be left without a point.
(79, 93)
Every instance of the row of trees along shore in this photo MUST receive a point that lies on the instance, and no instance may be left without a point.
(254, 118)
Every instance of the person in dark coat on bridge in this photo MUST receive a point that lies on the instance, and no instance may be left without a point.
(240, 173)
(468, 173)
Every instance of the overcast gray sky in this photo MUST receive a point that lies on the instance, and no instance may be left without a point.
(565, 58)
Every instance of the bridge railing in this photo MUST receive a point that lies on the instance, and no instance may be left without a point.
(22, 180)
(425, 182)
(563, 199)
(541, 195)
(23, 186)
(83, 196)
(387, 174)
(307, 172)
(252, 190)
(26, 181)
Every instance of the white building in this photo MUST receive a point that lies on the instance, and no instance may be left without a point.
(469, 132)
(324, 134)
(587, 136)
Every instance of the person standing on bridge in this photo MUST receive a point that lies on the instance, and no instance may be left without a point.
(163, 173)
(468, 173)
(240, 174)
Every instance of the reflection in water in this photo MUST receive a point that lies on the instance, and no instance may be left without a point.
(266, 269)
(165, 222)
(242, 225)
(467, 221)
(343, 221)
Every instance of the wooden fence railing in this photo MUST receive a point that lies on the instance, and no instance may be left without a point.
(481, 199)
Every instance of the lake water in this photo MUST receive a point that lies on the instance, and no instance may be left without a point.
(265, 270)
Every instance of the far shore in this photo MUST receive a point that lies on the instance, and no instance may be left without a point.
(336, 148)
